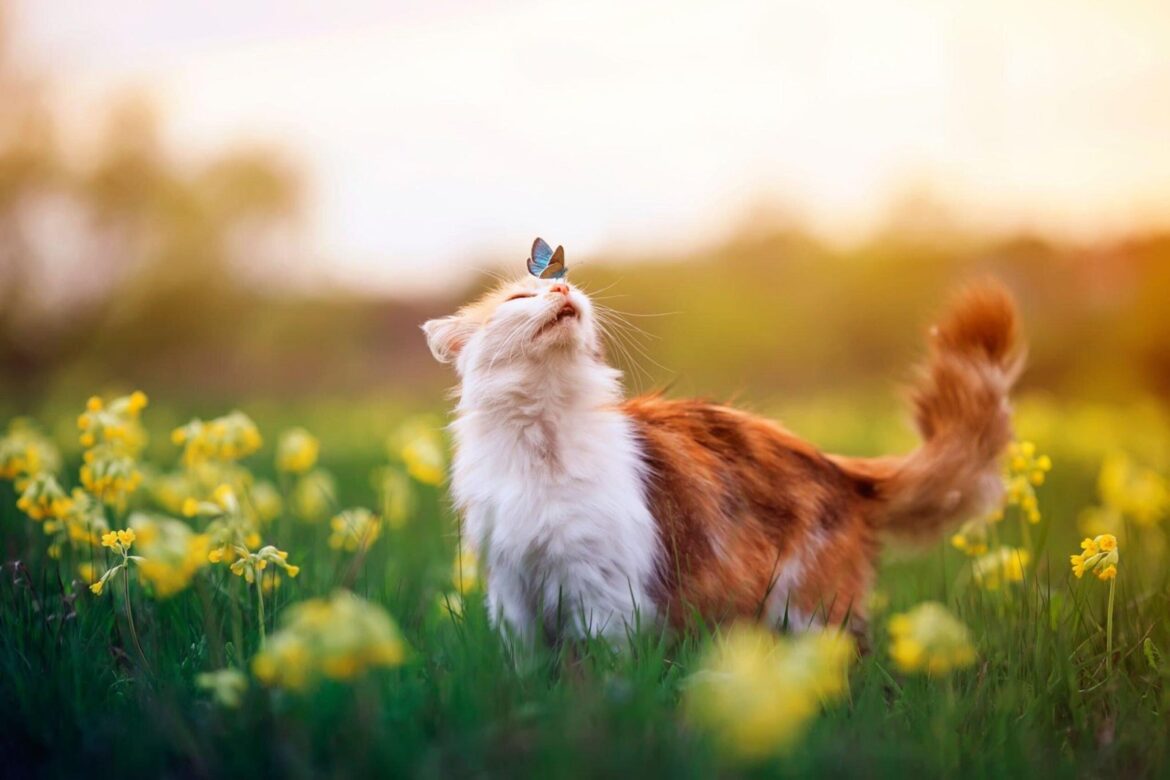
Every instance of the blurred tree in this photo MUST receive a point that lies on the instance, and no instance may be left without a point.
(128, 251)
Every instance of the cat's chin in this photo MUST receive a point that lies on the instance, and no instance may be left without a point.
(561, 327)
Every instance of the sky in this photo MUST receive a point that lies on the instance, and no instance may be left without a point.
(446, 134)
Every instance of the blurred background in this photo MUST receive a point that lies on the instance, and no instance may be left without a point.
(257, 206)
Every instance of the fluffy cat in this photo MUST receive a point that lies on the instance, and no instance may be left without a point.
(593, 512)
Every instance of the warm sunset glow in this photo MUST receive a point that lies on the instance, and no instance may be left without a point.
(444, 133)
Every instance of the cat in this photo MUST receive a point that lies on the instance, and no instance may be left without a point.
(596, 514)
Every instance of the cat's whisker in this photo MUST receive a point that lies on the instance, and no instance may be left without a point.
(618, 319)
(593, 294)
(622, 343)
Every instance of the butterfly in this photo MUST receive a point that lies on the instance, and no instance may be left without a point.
(544, 263)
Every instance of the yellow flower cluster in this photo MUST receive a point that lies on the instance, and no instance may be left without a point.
(929, 639)
(1128, 492)
(114, 437)
(419, 445)
(44, 498)
(1005, 565)
(297, 451)
(1026, 471)
(119, 542)
(314, 496)
(232, 531)
(339, 638)
(116, 423)
(756, 692)
(249, 564)
(971, 538)
(1099, 556)
(354, 529)
(227, 438)
(81, 523)
(223, 501)
(172, 553)
(397, 496)
(265, 501)
(464, 579)
(26, 452)
(110, 476)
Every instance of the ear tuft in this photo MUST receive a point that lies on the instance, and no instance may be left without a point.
(446, 336)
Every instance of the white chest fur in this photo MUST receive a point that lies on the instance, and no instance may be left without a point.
(553, 501)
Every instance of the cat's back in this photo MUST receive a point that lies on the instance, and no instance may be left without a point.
(734, 495)
(695, 437)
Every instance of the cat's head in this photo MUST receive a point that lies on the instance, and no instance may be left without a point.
(522, 322)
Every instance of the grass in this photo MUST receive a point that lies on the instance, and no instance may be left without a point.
(74, 698)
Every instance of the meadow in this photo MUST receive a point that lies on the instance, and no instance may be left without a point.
(242, 595)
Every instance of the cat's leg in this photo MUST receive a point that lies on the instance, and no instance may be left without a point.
(598, 601)
(508, 607)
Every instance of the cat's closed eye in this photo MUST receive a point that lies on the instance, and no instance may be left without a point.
(520, 295)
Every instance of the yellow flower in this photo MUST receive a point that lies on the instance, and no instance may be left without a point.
(466, 571)
(929, 639)
(87, 572)
(97, 587)
(115, 424)
(26, 452)
(452, 603)
(109, 475)
(971, 538)
(354, 529)
(1098, 555)
(1025, 472)
(756, 692)
(225, 496)
(420, 447)
(340, 638)
(266, 501)
(271, 581)
(314, 495)
(137, 401)
(297, 451)
(249, 565)
(172, 554)
(43, 498)
(1131, 491)
(1007, 564)
(118, 541)
(226, 439)
(397, 495)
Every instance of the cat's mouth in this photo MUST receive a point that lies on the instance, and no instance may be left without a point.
(566, 312)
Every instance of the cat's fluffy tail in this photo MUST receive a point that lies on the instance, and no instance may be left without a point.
(961, 409)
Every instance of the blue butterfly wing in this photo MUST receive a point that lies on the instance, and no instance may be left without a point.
(539, 258)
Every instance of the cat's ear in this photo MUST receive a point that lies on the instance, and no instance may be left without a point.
(446, 336)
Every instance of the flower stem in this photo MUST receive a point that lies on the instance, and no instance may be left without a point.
(1109, 628)
(130, 617)
(260, 608)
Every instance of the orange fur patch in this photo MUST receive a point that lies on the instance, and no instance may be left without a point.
(737, 499)
(743, 506)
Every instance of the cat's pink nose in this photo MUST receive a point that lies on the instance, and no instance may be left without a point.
(563, 289)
